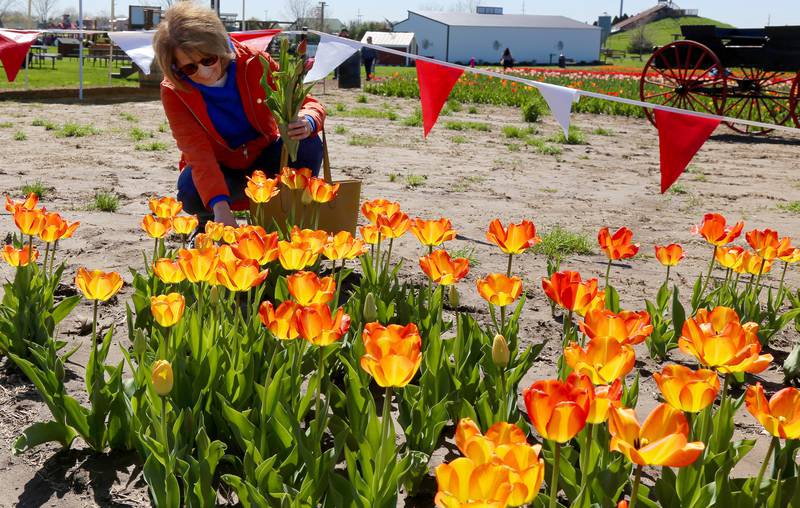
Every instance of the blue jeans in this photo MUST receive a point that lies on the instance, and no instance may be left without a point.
(309, 155)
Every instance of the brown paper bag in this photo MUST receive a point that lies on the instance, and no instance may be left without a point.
(340, 214)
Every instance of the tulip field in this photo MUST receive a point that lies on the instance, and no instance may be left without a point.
(511, 328)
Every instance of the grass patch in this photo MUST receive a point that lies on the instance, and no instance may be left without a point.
(153, 146)
(415, 120)
(6, 125)
(363, 140)
(20, 136)
(393, 177)
(472, 110)
(75, 130)
(559, 242)
(47, 124)
(415, 181)
(464, 184)
(513, 147)
(371, 113)
(678, 189)
(544, 148)
(459, 139)
(701, 178)
(138, 134)
(163, 127)
(362, 99)
(600, 131)
(464, 126)
(575, 137)
(129, 117)
(340, 129)
(792, 206)
(514, 132)
(454, 106)
(466, 252)
(105, 201)
(36, 187)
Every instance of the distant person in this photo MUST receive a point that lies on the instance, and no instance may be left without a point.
(344, 33)
(507, 61)
(369, 56)
(562, 61)
(472, 62)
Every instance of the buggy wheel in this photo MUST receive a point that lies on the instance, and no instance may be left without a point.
(794, 100)
(684, 75)
(759, 95)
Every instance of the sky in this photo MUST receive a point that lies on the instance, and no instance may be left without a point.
(741, 13)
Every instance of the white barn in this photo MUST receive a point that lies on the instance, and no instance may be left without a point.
(458, 37)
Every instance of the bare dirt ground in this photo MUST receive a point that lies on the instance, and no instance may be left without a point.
(471, 177)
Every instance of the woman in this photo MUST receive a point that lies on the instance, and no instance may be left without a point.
(214, 103)
(507, 61)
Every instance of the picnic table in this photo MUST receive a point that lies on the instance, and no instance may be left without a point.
(39, 54)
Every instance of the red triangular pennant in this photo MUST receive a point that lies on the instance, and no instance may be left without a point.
(257, 40)
(14, 45)
(435, 83)
(679, 138)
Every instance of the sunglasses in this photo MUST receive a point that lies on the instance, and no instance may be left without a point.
(189, 69)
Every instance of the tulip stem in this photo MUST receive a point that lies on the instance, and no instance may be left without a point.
(780, 286)
(585, 454)
(554, 476)
(635, 489)
(608, 271)
(503, 396)
(710, 269)
(502, 319)
(757, 486)
(30, 245)
(338, 282)
(667, 281)
(385, 422)
(164, 428)
(53, 256)
(320, 374)
(760, 271)
(389, 254)
(94, 385)
(378, 254)
(46, 253)
(508, 271)
(155, 252)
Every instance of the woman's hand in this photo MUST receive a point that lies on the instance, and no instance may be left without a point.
(223, 214)
(300, 129)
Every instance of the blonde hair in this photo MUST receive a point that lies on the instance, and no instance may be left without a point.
(193, 29)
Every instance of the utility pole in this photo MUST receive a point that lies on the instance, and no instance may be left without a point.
(359, 16)
(523, 6)
(322, 16)
(244, 23)
(620, 7)
(30, 19)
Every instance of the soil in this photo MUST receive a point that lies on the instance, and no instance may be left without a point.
(471, 177)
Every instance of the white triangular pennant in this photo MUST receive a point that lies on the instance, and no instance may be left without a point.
(331, 52)
(137, 45)
(19, 36)
(560, 100)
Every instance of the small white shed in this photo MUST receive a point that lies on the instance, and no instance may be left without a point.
(400, 41)
(458, 37)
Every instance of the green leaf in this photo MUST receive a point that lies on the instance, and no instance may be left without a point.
(44, 432)
(63, 309)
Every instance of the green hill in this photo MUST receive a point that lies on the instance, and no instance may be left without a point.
(660, 32)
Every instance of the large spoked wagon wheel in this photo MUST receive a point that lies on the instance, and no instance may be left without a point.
(794, 100)
(685, 75)
(759, 95)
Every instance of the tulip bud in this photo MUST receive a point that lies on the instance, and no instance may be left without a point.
(370, 309)
(306, 199)
(139, 344)
(453, 297)
(214, 298)
(500, 353)
(162, 377)
(791, 367)
(59, 370)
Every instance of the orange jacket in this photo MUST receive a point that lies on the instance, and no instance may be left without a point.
(201, 145)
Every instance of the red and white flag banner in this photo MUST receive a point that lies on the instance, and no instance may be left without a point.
(14, 45)
(559, 99)
(257, 40)
(679, 138)
(435, 84)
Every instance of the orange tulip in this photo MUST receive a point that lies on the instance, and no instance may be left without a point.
(320, 191)
(765, 243)
(168, 271)
(392, 353)
(463, 483)
(373, 209)
(240, 274)
(526, 471)
(605, 397)
(228, 234)
(720, 342)
(259, 247)
(394, 225)
(166, 207)
(283, 321)
(500, 290)
(685, 389)
(729, 257)
(662, 440)
(19, 257)
(214, 230)
(618, 245)
(199, 265)
(295, 255)
(669, 255)
(791, 257)
(627, 327)
(604, 360)
(29, 222)
(185, 224)
(442, 269)
(781, 415)
(318, 326)
(307, 288)
(342, 245)
(752, 263)
(787, 252)
(558, 409)
(313, 239)
(261, 190)
(515, 239)
(432, 232)
(156, 227)
(97, 285)
(29, 204)
(369, 233)
(567, 290)
(715, 230)
(55, 228)
(597, 303)
(295, 179)
(481, 447)
(162, 377)
(203, 241)
(167, 309)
